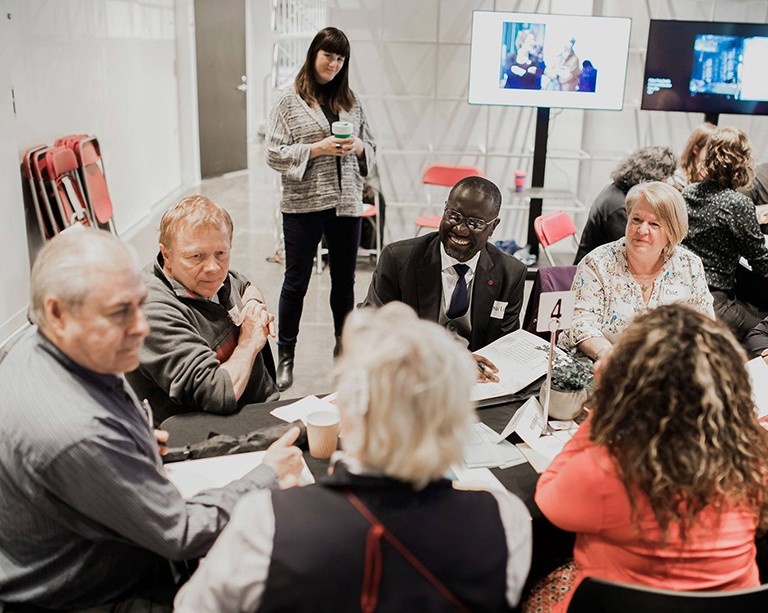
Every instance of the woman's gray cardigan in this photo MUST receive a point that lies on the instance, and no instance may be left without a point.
(313, 185)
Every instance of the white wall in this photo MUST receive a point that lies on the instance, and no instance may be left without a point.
(102, 67)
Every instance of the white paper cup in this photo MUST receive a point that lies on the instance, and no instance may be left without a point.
(322, 433)
(342, 129)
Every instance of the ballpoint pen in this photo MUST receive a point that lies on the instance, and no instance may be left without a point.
(150, 418)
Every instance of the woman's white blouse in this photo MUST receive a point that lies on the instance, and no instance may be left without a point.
(608, 298)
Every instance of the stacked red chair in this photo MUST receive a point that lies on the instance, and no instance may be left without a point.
(67, 185)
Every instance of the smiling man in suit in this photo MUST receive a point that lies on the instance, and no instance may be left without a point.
(453, 276)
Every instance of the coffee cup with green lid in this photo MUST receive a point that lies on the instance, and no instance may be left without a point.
(342, 129)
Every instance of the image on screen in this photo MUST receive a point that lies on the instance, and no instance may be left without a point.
(524, 66)
(709, 67)
(548, 60)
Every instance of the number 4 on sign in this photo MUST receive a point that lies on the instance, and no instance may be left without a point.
(555, 311)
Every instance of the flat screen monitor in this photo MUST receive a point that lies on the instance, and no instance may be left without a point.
(566, 61)
(706, 67)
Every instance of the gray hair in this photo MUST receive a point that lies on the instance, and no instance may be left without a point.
(652, 163)
(404, 386)
(62, 268)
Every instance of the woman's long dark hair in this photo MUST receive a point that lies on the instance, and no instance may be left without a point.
(336, 93)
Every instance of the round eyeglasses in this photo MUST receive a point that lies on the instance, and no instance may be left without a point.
(473, 223)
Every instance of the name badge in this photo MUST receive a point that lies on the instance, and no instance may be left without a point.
(497, 312)
(236, 316)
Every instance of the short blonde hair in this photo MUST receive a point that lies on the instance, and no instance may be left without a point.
(63, 265)
(404, 386)
(193, 211)
(729, 159)
(666, 203)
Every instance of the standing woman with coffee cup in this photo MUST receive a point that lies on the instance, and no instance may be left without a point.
(319, 141)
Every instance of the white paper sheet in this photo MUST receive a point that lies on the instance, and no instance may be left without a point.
(758, 371)
(521, 358)
(529, 421)
(193, 476)
(301, 408)
(485, 449)
(535, 459)
(475, 479)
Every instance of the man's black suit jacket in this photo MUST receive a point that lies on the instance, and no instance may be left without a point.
(410, 271)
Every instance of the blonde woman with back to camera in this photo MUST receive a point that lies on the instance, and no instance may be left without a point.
(644, 269)
(665, 483)
(404, 387)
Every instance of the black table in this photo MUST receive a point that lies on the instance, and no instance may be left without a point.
(552, 547)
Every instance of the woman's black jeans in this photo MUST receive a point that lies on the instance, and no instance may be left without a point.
(302, 233)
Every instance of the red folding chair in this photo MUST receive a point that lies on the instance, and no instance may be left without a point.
(60, 197)
(93, 179)
(444, 176)
(43, 212)
(552, 228)
(64, 185)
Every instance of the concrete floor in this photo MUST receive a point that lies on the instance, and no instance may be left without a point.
(252, 198)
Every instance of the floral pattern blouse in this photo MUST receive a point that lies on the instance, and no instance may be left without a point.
(608, 298)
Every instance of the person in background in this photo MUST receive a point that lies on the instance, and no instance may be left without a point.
(86, 509)
(664, 484)
(587, 78)
(723, 227)
(607, 217)
(525, 65)
(454, 277)
(690, 169)
(404, 389)
(641, 271)
(208, 325)
(564, 74)
(757, 190)
(322, 178)
(756, 341)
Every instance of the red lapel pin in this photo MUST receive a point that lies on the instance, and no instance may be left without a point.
(490, 281)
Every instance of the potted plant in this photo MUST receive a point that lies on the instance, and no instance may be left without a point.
(571, 381)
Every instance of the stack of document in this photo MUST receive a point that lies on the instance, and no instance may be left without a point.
(521, 358)
(542, 441)
(485, 450)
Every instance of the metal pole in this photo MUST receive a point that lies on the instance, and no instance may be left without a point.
(537, 176)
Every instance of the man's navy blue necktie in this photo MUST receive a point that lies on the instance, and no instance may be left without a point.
(460, 297)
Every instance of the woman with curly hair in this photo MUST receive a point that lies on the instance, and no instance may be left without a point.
(665, 482)
(607, 217)
(722, 226)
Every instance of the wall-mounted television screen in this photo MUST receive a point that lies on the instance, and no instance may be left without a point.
(567, 61)
(706, 67)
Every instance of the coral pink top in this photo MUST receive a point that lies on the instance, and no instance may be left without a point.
(582, 492)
